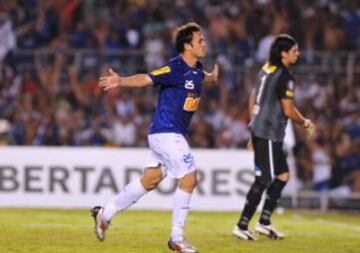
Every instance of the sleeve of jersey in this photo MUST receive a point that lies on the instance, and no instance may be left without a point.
(162, 76)
(286, 89)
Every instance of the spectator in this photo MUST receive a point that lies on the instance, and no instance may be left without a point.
(51, 53)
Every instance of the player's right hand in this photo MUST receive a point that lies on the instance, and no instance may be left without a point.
(309, 129)
(215, 73)
(111, 81)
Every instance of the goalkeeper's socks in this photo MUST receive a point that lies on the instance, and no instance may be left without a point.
(252, 201)
(265, 218)
(126, 198)
(243, 223)
(272, 196)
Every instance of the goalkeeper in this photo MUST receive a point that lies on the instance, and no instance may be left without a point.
(270, 105)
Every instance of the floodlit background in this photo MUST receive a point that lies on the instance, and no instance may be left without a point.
(67, 144)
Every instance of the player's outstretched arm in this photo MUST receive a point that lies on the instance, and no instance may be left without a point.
(113, 80)
(212, 77)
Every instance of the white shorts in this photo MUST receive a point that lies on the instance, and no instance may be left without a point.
(172, 151)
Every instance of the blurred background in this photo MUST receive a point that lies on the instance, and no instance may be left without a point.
(52, 53)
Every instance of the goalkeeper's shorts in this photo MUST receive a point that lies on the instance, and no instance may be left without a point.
(270, 159)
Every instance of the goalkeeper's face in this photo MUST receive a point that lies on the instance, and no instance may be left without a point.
(290, 57)
(198, 45)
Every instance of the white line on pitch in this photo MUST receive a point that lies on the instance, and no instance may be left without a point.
(338, 224)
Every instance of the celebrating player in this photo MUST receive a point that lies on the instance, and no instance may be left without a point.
(180, 84)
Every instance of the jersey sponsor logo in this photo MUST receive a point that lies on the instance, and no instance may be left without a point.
(189, 84)
(289, 93)
(191, 103)
(161, 71)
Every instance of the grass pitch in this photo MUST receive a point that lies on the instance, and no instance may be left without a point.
(71, 231)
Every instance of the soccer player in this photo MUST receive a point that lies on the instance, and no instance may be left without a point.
(270, 106)
(180, 84)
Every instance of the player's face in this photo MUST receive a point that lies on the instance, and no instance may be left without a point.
(198, 45)
(290, 57)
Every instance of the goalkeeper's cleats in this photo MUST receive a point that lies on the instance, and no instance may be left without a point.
(181, 245)
(243, 234)
(269, 231)
(101, 225)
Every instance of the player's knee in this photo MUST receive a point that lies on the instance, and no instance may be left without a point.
(151, 178)
(264, 180)
(151, 183)
(188, 182)
(260, 185)
(256, 191)
(193, 182)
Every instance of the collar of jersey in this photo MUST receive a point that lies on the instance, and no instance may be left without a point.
(198, 64)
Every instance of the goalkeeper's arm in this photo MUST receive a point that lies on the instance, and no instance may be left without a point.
(293, 113)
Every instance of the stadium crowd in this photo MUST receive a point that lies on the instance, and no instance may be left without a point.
(53, 51)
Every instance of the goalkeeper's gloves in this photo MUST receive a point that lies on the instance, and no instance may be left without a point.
(309, 128)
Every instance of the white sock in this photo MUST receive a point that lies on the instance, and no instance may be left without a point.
(126, 198)
(180, 211)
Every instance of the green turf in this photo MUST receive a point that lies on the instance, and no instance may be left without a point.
(71, 231)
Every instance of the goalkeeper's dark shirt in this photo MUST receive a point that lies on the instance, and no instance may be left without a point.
(268, 119)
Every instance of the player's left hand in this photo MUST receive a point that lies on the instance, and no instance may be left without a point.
(212, 77)
(309, 129)
(215, 73)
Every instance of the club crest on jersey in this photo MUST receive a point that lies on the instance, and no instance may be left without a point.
(189, 84)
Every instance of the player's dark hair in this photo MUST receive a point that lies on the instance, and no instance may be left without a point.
(282, 42)
(184, 34)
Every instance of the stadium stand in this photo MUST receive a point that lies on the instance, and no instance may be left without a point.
(52, 53)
